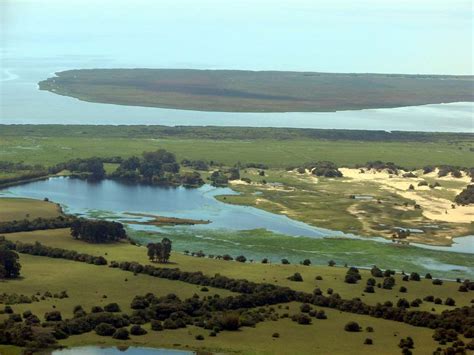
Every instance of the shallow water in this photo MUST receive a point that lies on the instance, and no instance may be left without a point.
(81, 197)
(243, 230)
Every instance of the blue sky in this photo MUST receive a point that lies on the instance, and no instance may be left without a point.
(418, 36)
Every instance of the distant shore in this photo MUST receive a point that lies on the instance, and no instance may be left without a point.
(257, 91)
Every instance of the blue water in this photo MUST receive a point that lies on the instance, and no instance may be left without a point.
(81, 197)
(109, 198)
(239, 229)
(39, 38)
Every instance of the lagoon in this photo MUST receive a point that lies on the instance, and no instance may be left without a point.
(255, 233)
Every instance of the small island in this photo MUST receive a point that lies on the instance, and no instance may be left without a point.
(257, 91)
(162, 221)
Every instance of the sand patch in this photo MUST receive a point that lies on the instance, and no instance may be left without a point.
(434, 208)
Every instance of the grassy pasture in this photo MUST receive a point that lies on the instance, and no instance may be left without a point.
(333, 277)
(274, 153)
(86, 285)
(22, 208)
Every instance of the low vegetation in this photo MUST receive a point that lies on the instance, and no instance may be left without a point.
(256, 91)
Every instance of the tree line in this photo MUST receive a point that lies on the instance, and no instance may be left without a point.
(97, 231)
(27, 225)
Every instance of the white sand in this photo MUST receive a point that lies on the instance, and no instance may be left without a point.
(434, 208)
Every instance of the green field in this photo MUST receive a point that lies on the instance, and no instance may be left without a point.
(257, 91)
(277, 148)
(86, 287)
(21, 208)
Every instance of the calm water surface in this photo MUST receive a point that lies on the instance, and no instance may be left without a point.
(39, 38)
(241, 229)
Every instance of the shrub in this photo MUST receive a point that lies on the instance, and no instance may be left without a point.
(369, 329)
(351, 279)
(156, 325)
(450, 302)
(406, 343)
(370, 282)
(137, 330)
(264, 261)
(388, 283)
(112, 307)
(437, 282)
(97, 309)
(199, 337)
(352, 327)
(276, 335)
(331, 263)
(321, 315)
(296, 277)
(414, 276)
(104, 329)
(241, 259)
(285, 261)
(301, 318)
(376, 272)
(428, 276)
(121, 334)
(305, 308)
(368, 341)
(319, 278)
(369, 289)
(306, 262)
(230, 321)
(403, 289)
(54, 316)
(429, 298)
(403, 303)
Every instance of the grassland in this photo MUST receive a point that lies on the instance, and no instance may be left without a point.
(277, 148)
(250, 91)
(20, 208)
(86, 287)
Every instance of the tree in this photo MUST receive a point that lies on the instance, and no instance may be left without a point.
(296, 277)
(97, 231)
(9, 264)
(105, 329)
(376, 272)
(121, 334)
(466, 196)
(352, 327)
(159, 252)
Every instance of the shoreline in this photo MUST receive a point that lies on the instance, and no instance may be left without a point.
(175, 221)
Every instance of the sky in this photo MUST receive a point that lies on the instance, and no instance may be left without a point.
(416, 37)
